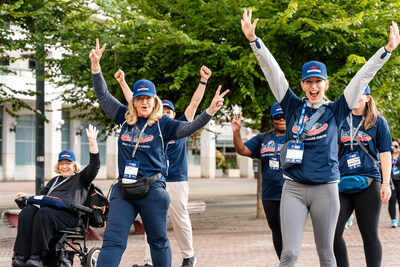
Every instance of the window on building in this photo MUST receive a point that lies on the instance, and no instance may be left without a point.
(32, 64)
(228, 151)
(65, 143)
(4, 62)
(193, 150)
(25, 140)
(85, 146)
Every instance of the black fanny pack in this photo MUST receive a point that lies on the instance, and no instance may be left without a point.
(137, 188)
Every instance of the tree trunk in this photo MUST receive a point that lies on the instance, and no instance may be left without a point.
(265, 125)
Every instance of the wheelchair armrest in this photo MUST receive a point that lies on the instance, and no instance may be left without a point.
(22, 203)
(79, 207)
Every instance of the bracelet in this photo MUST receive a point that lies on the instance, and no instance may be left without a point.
(386, 50)
(386, 184)
(203, 82)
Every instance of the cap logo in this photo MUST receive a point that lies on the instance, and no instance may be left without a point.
(313, 69)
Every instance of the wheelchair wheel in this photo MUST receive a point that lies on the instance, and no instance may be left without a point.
(66, 263)
(91, 258)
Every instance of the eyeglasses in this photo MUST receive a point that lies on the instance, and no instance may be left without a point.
(278, 117)
(396, 146)
(65, 163)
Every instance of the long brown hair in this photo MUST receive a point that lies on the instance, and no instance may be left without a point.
(370, 114)
(131, 115)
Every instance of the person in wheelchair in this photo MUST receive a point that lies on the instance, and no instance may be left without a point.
(50, 211)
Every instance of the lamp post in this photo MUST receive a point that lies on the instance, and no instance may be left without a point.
(39, 118)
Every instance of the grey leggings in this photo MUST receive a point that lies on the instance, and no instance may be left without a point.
(322, 202)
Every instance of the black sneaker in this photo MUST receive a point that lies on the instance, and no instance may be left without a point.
(34, 261)
(190, 262)
(18, 261)
(146, 265)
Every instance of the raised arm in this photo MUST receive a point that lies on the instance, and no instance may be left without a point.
(92, 133)
(109, 103)
(190, 111)
(272, 72)
(355, 89)
(186, 129)
(120, 77)
(91, 170)
(240, 147)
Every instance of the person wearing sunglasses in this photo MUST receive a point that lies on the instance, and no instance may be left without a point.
(363, 136)
(266, 146)
(395, 176)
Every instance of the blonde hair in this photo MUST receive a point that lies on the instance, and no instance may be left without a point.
(76, 164)
(370, 114)
(155, 115)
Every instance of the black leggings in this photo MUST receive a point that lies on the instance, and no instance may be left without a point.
(271, 209)
(395, 197)
(367, 205)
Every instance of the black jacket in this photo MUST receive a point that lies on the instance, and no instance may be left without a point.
(75, 189)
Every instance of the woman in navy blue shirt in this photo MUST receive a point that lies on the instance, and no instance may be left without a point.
(144, 135)
(267, 146)
(311, 184)
(372, 131)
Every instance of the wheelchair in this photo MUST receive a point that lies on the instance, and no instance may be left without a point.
(65, 244)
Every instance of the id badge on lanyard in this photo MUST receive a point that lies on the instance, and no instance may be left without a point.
(131, 169)
(294, 153)
(132, 166)
(274, 163)
(353, 160)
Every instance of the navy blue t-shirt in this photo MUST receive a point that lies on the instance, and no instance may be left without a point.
(320, 158)
(376, 139)
(272, 179)
(177, 156)
(150, 152)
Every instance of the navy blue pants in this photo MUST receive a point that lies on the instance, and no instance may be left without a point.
(153, 209)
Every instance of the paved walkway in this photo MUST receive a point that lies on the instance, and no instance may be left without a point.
(227, 234)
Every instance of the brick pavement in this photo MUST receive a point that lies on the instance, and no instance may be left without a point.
(242, 240)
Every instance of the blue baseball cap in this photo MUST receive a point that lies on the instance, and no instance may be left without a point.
(276, 109)
(367, 90)
(66, 154)
(168, 104)
(144, 87)
(314, 69)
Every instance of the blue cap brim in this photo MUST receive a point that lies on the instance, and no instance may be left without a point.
(143, 93)
(314, 75)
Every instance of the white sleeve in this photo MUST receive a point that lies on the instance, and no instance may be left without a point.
(355, 89)
(272, 72)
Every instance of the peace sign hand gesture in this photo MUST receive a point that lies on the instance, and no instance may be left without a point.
(95, 56)
(236, 123)
(217, 102)
(248, 28)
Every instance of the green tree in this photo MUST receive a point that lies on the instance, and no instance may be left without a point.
(26, 26)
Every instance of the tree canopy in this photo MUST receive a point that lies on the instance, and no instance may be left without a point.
(168, 41)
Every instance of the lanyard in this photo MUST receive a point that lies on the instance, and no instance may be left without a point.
(140, 137)
(394, 161)
(353, 136)
(55, 185)
(299, 127)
